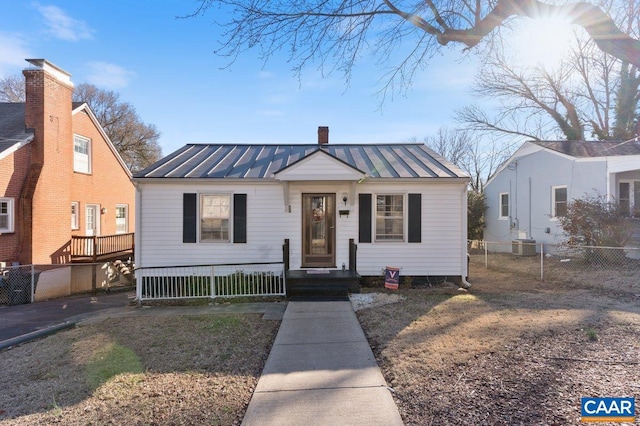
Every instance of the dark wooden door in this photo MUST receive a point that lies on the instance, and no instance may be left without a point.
(318, 230)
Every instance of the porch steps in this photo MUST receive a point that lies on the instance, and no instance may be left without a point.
(326, 285)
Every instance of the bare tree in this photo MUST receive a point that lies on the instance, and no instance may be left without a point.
(12, 89)
(136, 141)
(478, 158)
(454, 145)
(590, 94)
(336, 34)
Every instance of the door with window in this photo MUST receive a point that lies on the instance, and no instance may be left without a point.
(92, 225)
(318, 230)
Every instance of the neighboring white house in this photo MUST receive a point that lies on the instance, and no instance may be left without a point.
(532, 188)
(402, 204)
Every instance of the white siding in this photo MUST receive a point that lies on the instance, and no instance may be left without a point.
(319, 167)
(161, 226)
(441, 252)
(443, 245)
(529, 181)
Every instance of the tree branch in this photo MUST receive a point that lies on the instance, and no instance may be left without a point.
(598, 25)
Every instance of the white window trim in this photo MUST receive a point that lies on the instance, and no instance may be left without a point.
(405, 217)
(553, 200)
(500, 216)
(89, 154)
(126, 218)
(230, 219)
(75, 217)
(10, 216)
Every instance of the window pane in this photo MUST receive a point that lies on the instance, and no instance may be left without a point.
(81, 146)
(4, 215)
(560, 196)
(74, 216)
(504, 205)
(81, 154)
(623, 197)
(121, 219)
(6, 211)
(214, 217)
(389, 217)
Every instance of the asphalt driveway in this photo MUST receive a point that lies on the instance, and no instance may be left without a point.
(22, 319)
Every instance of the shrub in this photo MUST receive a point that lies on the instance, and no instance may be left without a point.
(476, 207)
(595, 222)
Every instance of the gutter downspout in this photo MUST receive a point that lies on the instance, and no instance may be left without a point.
(465, 283)
(465, 227)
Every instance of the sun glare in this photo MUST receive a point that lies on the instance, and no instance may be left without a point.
(542, 42)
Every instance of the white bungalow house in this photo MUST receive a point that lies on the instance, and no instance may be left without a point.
(532, 188)
(402, 205)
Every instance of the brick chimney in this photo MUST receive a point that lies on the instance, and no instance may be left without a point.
(323, 135)
(48, 105)
(46, 194)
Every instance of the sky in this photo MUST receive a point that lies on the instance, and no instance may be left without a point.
(167, 69)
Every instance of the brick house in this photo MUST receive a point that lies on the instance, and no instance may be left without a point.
(62, 181)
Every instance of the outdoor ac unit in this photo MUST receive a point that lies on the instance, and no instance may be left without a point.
(522, 247)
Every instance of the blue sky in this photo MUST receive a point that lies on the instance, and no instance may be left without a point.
(165, 67)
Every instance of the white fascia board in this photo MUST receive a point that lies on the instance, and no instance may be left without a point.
(15, 147)
(316, 164)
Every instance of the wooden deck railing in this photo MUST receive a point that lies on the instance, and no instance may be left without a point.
(98, 247)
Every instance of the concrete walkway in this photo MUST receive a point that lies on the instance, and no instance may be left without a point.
(321, 371)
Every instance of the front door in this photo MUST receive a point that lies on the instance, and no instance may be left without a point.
(318, 230)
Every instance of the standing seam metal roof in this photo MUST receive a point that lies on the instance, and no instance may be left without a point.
(228, 161)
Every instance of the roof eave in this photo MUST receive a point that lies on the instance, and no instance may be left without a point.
(13, 148)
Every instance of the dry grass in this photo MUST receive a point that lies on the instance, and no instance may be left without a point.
(156, 370)
(512, 351)
(509, 351)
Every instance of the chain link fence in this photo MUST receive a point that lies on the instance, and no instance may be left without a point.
(18, 284)
(28, 283)
(606, 267)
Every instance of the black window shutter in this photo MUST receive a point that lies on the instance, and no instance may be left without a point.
(364, 229)
(239, 218)
(415, 218)
(189, 217)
